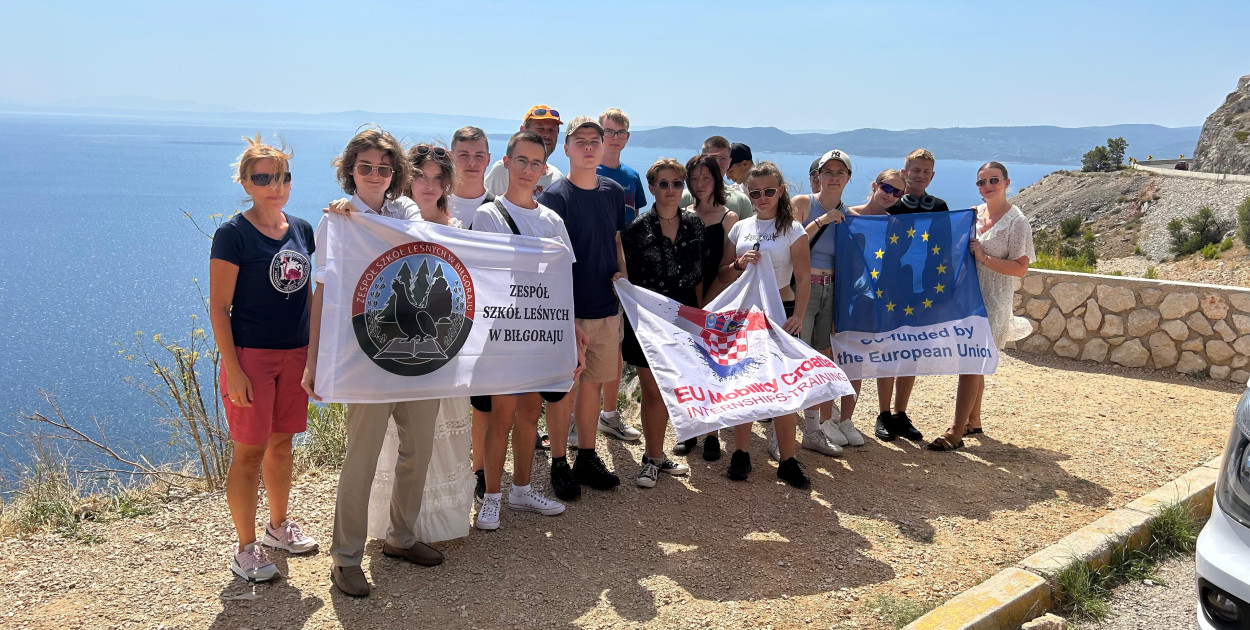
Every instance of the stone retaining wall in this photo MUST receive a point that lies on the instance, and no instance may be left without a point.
(1175, 326)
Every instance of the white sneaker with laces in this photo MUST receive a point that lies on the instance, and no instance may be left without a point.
(819, 442)
(288, 536)
(831, 430)
(853, 436)
(668, 466)
(532, 500)
(610, 423)
(488, 513)
(253, 565)
(774, 451)
(649, 474)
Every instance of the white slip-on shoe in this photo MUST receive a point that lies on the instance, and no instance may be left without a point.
(853, 436)
(833, 432)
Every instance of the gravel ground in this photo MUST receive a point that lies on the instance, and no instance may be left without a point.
(888, 524)
(1231, 269)
(1165, 602)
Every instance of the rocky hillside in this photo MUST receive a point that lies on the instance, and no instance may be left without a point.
(1127, 209)
(1224, 146)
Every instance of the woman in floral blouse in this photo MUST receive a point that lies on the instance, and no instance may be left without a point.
(664, 252)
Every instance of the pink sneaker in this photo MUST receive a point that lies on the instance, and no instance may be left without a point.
(253, 565)
(288, 536)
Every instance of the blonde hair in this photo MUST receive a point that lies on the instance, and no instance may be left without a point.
(256, 151)
(615, 115)
(881, 177)
(918, 154)
(665, 164)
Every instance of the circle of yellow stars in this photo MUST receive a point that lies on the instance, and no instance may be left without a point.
(940, 268)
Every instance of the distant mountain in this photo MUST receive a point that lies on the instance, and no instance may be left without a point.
(1030, 145)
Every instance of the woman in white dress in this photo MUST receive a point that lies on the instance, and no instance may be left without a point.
(1002, 248)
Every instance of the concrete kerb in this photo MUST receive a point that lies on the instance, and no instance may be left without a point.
(1016, 595)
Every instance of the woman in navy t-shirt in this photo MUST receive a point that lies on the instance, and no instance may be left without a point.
(258, 304)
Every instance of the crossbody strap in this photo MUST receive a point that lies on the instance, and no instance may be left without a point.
(506, 217)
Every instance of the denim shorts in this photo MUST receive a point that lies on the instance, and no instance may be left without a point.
(818, 318)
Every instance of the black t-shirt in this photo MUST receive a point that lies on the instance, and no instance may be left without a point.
(592, 218)
(270, 306)
(911, 204)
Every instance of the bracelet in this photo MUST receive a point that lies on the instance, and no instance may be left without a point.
(735, 265)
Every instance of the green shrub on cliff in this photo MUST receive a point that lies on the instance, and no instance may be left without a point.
(1196, 232)
(1243, 221)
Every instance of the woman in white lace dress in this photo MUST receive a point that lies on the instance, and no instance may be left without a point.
(448, 495)
(1002, 248)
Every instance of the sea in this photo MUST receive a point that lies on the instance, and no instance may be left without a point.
(99, 251)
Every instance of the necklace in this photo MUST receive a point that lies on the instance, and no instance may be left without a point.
(672, 218)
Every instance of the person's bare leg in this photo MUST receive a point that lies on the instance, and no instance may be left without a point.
(477, 435)
(503, 412)
(612, 388)
(885, 392)
(558, 422)
(965, 398)
(242, 484)
(276, 471)
(742, 436)
(902, 392)
(785, 425)
(586, 414)
(654, 414)
(528, 407)
(974, 417)
(847, 407)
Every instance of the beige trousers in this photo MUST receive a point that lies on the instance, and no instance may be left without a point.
(366, 428)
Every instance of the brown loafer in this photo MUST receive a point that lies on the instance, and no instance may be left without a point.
(420, 553)
(350, 580)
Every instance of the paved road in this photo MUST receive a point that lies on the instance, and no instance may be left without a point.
(1170, 604)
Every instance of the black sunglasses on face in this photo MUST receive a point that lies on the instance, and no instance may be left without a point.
(263, 179)
(767, 192)
(890, 190)
(664, 184)
(991, 181)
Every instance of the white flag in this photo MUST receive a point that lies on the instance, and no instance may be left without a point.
(730, 362)
(416, 310)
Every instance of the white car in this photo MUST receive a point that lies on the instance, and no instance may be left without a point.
(1223, 557)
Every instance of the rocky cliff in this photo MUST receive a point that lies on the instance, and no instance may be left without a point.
(1224, 145)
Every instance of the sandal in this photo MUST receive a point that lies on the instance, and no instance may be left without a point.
(943, 443)
(973, 431)
(542, 442)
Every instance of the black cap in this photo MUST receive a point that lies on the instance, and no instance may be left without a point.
(814, 168)
(739, 152)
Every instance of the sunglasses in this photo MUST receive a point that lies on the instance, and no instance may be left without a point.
(263, 179)
(365, 170)
(664, 184)
(423, 149)
(767, 192)
(543, 112)
(991, 181)
(613, 133)
(890, 190)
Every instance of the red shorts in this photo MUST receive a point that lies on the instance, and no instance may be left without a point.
(279, 402)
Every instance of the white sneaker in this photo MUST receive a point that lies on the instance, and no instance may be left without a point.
(853, 436)
(649, 475)
(253, 565)
(488, 513)
(610, 423)
(668, 466)
(288, 536)
(774, 451)
(830, 429)
(532, 500)
(819, 442)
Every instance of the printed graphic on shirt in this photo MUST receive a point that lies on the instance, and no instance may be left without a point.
(413, 308)
(288, 271)
(758, 238)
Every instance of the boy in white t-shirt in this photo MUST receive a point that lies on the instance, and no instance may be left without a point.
(470, 153)
(525, 161)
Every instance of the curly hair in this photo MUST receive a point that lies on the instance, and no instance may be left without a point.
(374, 138)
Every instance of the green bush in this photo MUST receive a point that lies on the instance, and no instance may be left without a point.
(1089, 236)
(1137, 251)
(324, 442)
(1151, 273)
(1226, 244)
(1243, 221)
(1241, 136)
(1210, 252)
(1061, 263)
(1070, 226)
(1195, 232)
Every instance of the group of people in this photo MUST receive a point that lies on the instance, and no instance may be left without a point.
(710, 218)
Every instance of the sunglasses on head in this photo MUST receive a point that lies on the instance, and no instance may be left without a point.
(364, 170)
(543, 112)
(664, 184)
(263, 179)
(890, 190)
(991, 181)
(767, 192)
(423, 149)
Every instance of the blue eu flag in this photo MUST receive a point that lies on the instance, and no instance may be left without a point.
(904, 270)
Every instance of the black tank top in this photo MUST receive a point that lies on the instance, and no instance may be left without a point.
(714, 241)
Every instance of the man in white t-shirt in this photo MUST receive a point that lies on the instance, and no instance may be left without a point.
(545, 122)
(470, 153)
(517, 413)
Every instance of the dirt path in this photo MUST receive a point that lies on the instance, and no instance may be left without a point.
(886, 525)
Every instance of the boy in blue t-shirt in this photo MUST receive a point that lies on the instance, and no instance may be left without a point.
(615, 135)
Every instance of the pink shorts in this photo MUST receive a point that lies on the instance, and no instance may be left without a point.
(279, 402)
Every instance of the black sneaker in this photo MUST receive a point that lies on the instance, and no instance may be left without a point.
(479, 490)
(562, 482)
(740, 465)
(791, 472)
(903, 426)
(884, 423)
(711, 448)
(589, 470)
(685, 446)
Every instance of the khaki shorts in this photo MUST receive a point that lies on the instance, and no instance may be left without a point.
(603, 353)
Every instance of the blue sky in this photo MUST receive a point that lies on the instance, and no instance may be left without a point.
(794, 65)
